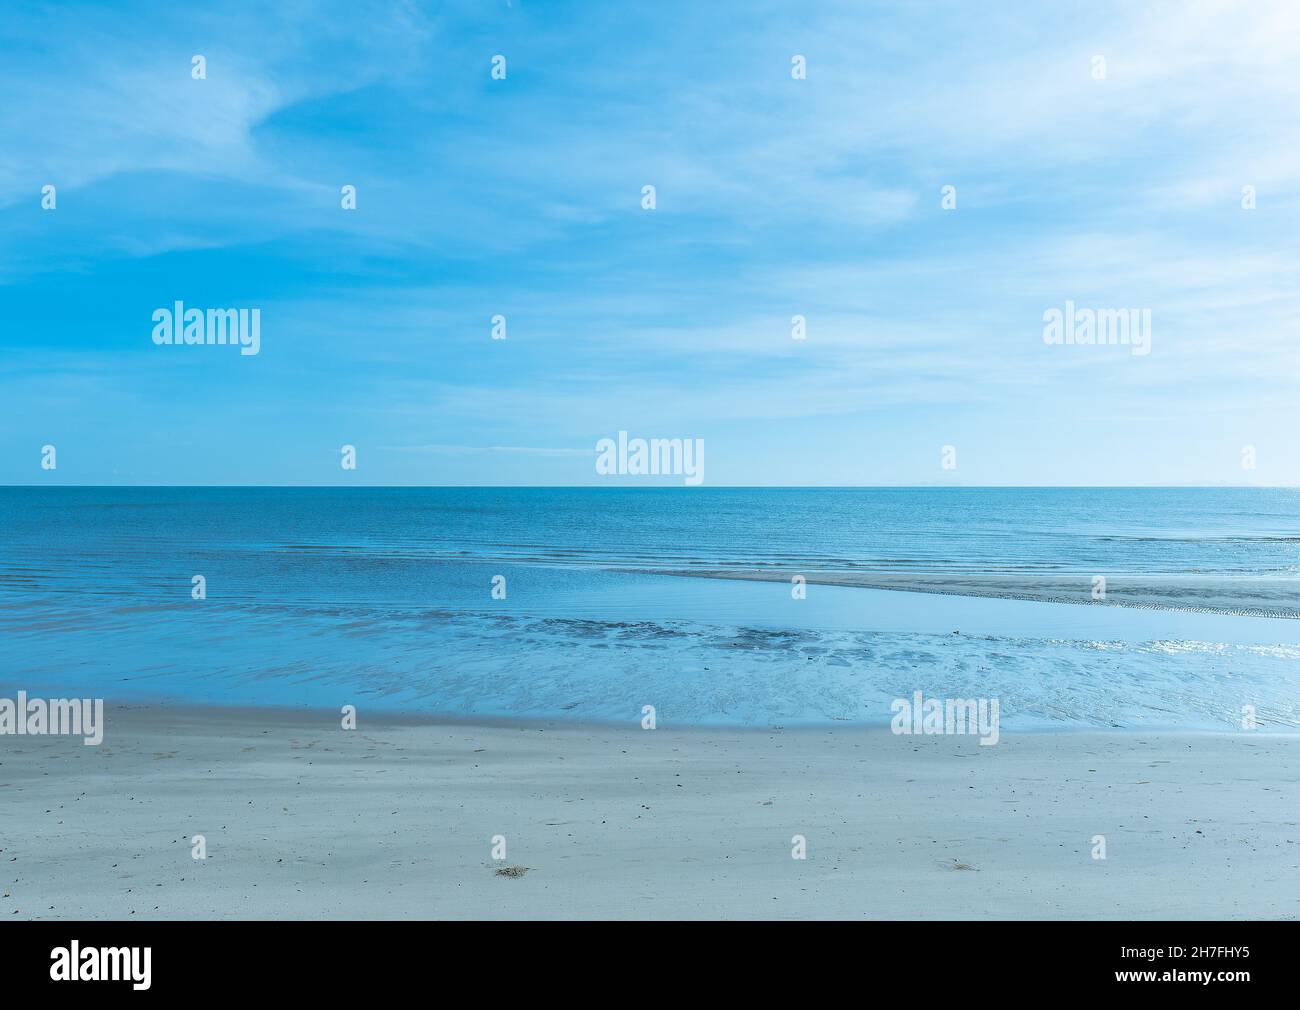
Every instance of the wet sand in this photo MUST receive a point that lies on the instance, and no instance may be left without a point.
(303, 819)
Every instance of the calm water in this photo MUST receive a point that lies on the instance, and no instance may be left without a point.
(382, 598)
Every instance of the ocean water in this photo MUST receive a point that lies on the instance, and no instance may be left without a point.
(677, 598)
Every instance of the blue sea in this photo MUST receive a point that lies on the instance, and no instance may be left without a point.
(680, 598)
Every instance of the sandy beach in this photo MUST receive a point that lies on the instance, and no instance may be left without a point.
(396, 820)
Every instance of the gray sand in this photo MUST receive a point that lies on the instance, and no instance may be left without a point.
(303, 820)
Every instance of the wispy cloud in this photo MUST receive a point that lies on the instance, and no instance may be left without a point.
(526, 450)
(818, 198)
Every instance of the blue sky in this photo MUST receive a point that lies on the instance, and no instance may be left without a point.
(775, 197)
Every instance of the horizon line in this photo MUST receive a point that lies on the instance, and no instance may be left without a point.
(676, 487)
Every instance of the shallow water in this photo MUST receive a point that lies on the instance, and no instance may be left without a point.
(382, 599)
